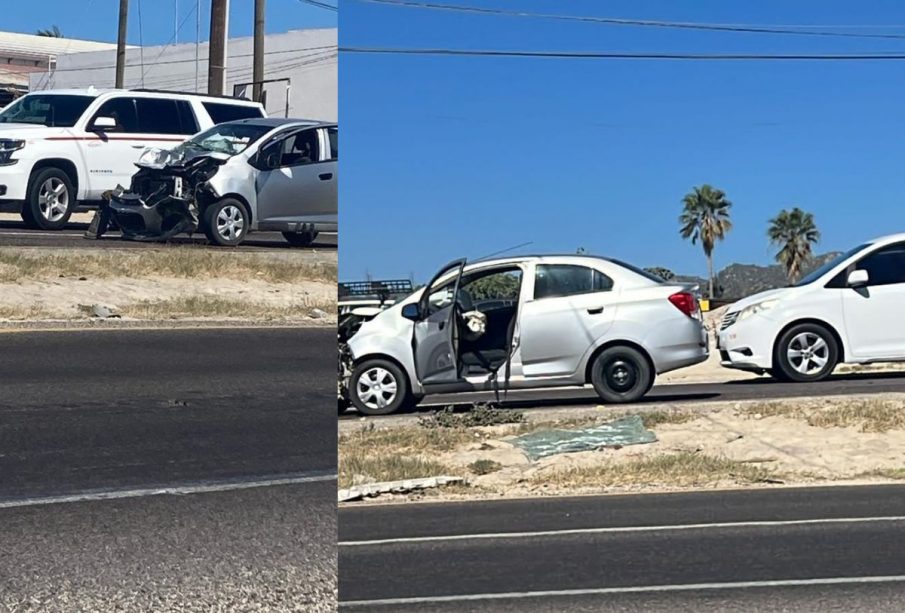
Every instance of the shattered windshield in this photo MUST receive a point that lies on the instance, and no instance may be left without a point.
(230, 139)
(51, 110)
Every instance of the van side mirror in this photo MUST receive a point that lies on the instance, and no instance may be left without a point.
(858, 278)
(102, 124)
(412, 311)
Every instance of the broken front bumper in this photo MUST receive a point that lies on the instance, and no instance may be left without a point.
(141, 221)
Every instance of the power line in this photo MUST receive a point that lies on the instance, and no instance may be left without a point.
(617, 55)
(105, 67)
(322, 5)
(685, 25)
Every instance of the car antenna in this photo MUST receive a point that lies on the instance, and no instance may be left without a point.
(513, 248)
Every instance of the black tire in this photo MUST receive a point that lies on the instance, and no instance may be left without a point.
(226, 222)
(373, 371)
(779, 375)
(300, 239)
(44, 216)
(804, 337)
(621, 374)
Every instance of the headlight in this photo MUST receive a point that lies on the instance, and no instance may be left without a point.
(760, 307)
(7, 148)
(155, 157)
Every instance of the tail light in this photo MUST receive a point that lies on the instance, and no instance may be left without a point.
(686, 303)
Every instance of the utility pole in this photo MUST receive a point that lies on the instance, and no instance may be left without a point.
(258, 69)
(121, 43)
(216, 63)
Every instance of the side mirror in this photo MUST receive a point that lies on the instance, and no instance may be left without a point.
(102, 124)
(858, 278)
(412, 311)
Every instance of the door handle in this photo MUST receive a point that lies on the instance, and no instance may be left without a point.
(595, 310)
(325, 176)
(139, 146)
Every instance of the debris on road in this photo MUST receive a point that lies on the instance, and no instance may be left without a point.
(100, 311)
(628, 430)
(370, 490)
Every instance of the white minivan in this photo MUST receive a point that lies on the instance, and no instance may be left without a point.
(62, 149)
(847, 311)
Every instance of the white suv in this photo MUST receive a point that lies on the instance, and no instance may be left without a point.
(847, 311)
(63, 149)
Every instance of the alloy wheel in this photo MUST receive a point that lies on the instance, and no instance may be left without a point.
(53, 199)
(808, 353)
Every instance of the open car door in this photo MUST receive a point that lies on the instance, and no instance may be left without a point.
(435, 336)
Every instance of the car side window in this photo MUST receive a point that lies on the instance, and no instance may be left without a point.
(555, 280)
(187, 117)
(122, 110)
(886, 266)
(300, 149)
(159, 116)
(333, 135)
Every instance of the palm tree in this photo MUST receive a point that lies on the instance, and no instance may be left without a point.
(53, 32)
(793, 232)
(706, 219)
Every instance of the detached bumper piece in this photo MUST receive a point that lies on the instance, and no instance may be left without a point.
(138, 219)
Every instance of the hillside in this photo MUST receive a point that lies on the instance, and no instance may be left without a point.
(740, 280)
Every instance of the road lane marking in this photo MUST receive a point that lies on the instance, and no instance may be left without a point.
(686, 587)
(619, 529)
(204, 487)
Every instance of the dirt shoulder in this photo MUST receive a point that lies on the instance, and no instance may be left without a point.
(723, 445)
(178, 283)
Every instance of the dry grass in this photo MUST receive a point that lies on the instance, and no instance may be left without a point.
(357, 467)
(184, 262)
(867, 415)
(885, 473)
(406, 440)
(215, 306)
(18, 313)
(675, 470)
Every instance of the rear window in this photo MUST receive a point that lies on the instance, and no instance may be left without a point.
(221, 112)
(640, 271)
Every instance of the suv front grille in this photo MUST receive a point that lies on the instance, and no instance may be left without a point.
(728, 320)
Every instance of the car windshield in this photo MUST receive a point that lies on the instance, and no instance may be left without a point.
(807, 280)
(52, 110)
(231, 139)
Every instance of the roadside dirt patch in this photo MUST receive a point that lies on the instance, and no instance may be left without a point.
(793, 442)
(166, 285)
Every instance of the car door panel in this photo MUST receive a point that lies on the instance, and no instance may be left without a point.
(556, 333)
(873, 314)
(434, 337)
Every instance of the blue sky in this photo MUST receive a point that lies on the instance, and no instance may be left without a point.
(446, 157)
(97, 19)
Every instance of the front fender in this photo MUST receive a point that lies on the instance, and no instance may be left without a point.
(396, 347)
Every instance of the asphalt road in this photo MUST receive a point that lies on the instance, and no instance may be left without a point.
(218, 413)
(85, 410)
(15, 234)
(813, 549)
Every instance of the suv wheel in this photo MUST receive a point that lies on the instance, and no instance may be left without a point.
(621, 374)
(807, 352)
(226, 222)
(378, 387)
(300, 239)
(49, 201)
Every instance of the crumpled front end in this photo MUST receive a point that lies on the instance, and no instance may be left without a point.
(163, 200)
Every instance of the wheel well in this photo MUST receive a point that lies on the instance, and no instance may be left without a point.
(210, 199)
(813, 322)
(605, 346)
(64, 165)
(392, 360)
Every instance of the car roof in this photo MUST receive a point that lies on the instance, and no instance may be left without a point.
(888, 239)
(98, 92)
(278, 122)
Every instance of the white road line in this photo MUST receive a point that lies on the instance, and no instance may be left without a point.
(687, 587)
(619, 529)
(183, 490)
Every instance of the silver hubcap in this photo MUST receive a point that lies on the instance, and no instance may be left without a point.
(53, 199)
(808, 353)
(376, 388)
(230, 223)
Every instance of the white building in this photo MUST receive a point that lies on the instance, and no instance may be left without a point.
(24, 54)
(302, 63)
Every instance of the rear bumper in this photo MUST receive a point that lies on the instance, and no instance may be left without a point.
(683, 346)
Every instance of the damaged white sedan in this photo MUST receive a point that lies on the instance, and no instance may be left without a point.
(235, 178)
(524, 323)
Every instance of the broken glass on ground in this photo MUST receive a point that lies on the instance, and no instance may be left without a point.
(628, 430)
